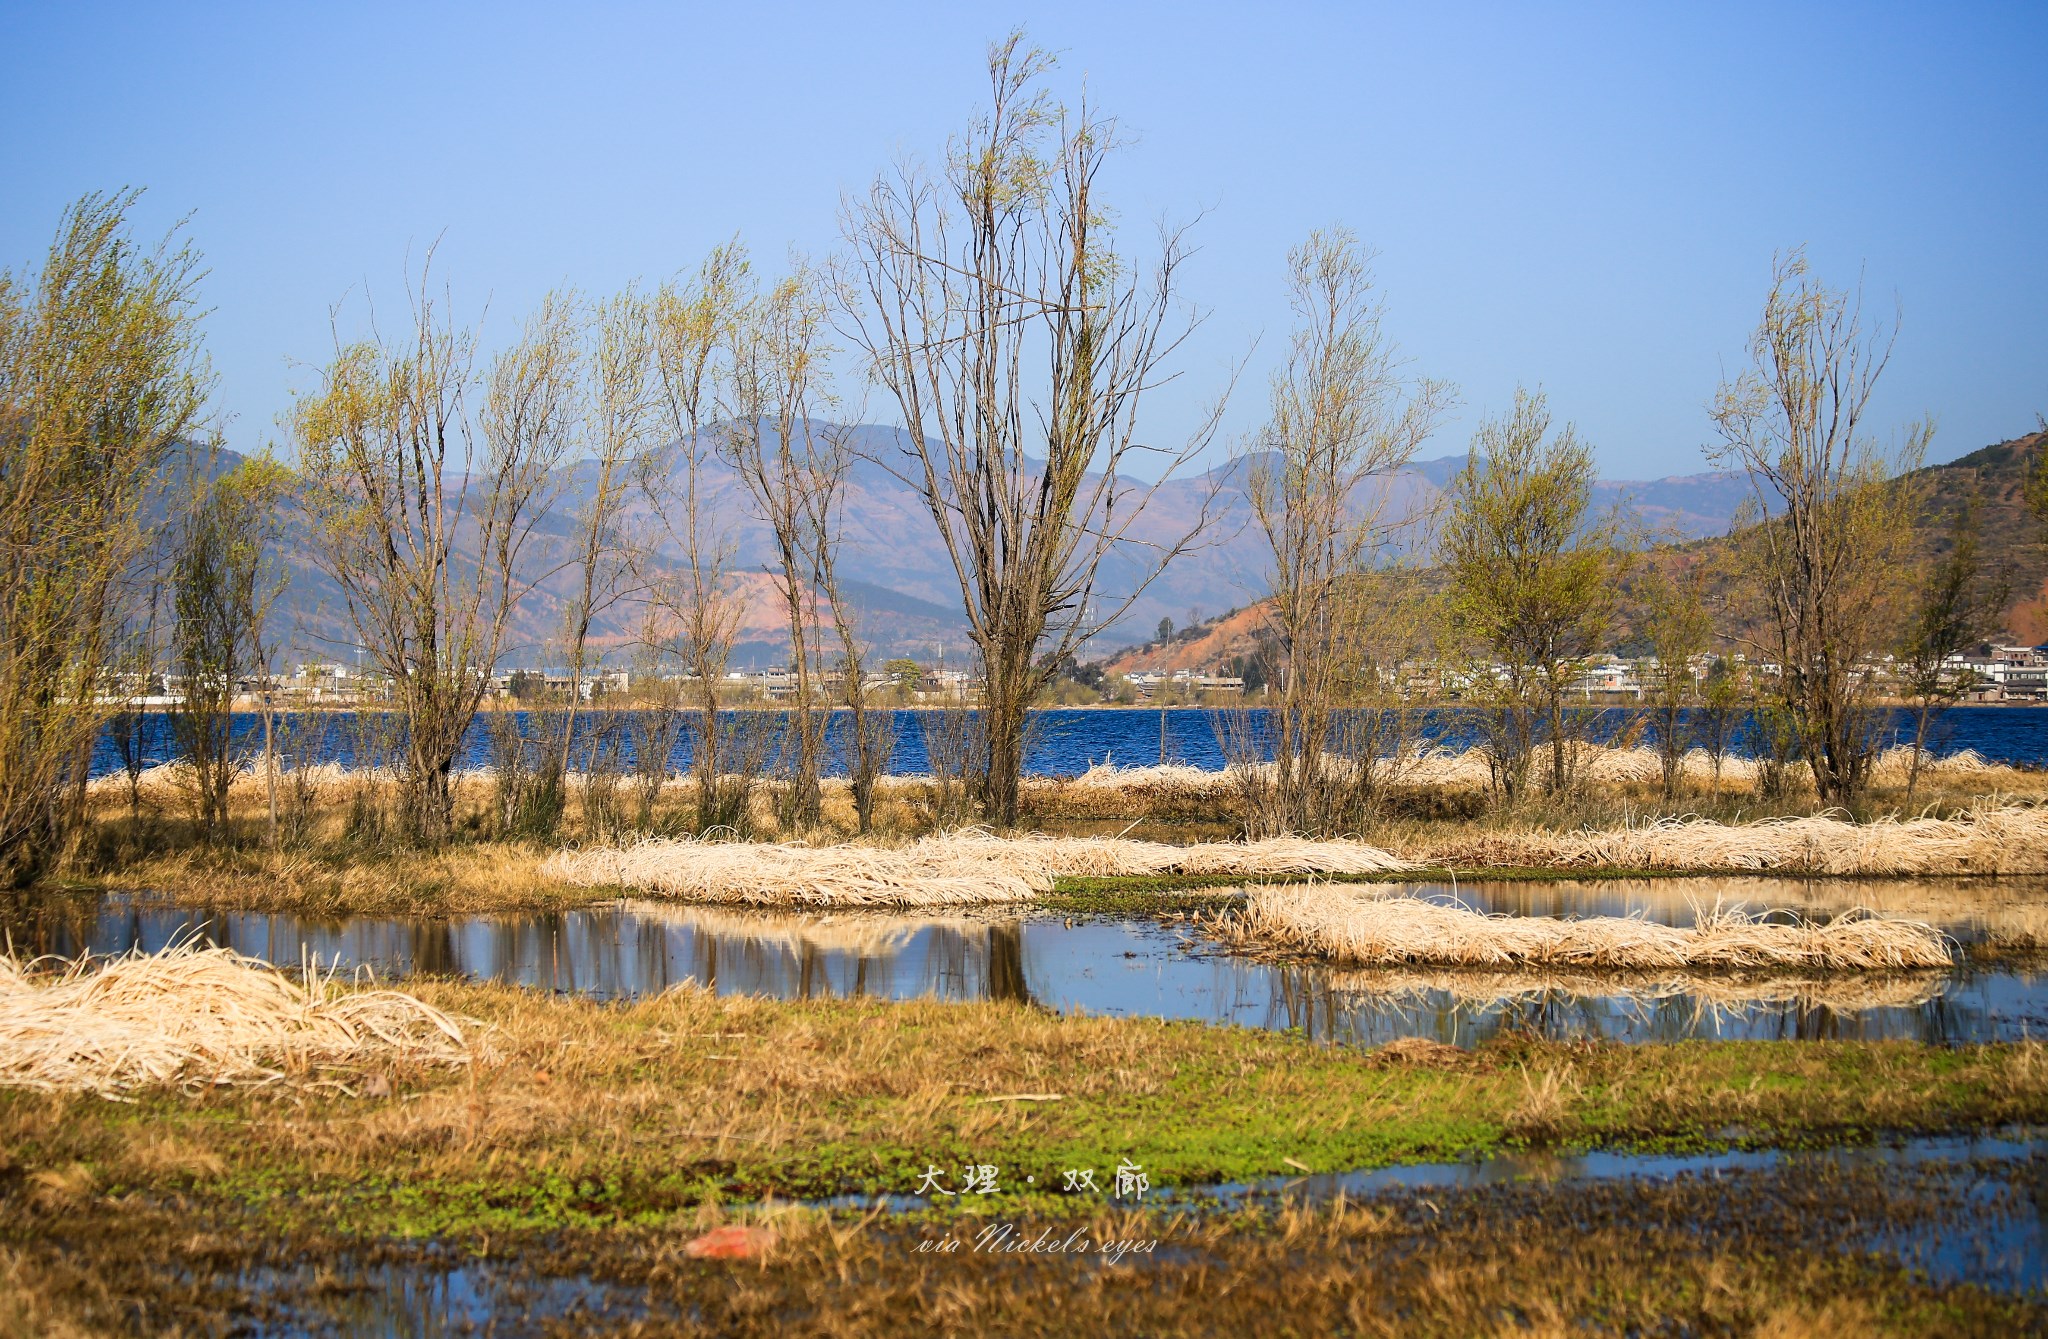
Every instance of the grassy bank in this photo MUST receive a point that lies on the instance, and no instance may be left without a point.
(597, 1139)
(596, 1115)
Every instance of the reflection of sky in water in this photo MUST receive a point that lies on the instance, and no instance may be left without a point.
(1092, 966)
(1987, 1234)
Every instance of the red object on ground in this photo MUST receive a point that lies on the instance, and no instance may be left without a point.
(731, 1242)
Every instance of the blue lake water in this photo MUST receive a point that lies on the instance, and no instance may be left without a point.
(1067, 742)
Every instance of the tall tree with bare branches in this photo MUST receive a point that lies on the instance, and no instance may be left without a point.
(618, 414)
(1829, 543)
(779, 451)
(693, 610)
(1018, 342)
(423, 503)
(1342, 419)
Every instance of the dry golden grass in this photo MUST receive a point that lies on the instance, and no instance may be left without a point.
(1347, 925)
(785, 874)
(1709, 992)
(1986, 839)
(1467, 769)
(951, 869)
(193, 1016)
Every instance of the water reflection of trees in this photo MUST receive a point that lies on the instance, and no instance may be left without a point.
(641, 949)
(1371, 1008)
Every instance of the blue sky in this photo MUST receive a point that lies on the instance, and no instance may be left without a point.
(1584, 198)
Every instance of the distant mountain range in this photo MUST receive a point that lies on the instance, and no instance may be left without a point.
(1690, 513)
(903, 583)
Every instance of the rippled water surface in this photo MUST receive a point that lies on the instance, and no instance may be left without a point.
(1120, 967)
(1064, 742)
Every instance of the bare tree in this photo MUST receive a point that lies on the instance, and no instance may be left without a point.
(870, 732)
(1828, 544)
(1019, 344)
(1679, 630)
(616, 407)
(225, 578)
(101, 375)
(1342, 419)
(422, 511)
(778, 451)
(1532, 579)
(136, 664)
(694, 609)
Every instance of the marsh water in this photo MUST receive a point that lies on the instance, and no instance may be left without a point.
(1144, 967)
(1966, 1209)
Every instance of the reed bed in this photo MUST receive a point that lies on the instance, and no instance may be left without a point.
(1710, 992)
(1360, 928)
(787, 874)
(965, 867)
(1468, 768)
(2009, 839)
(196, 1016)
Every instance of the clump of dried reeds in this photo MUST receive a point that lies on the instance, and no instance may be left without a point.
(190, 1015)
(1350, 926)
(2010, 839)
(1160, 781)
(1722, 992)
(787, 874)
(956, 868)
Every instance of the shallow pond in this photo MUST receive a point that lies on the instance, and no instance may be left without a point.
(1138, 967)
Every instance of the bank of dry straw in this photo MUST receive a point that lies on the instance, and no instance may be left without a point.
(191, 1016)
(951, 869)
(1360, 928)
(1705, 992)
(1987, 839)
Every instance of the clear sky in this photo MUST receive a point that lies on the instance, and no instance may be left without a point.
(1584, 198)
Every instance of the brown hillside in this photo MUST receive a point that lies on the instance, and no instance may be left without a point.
(1995, 475)
(1206, 646)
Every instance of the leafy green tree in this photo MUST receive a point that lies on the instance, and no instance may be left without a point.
(1533, 574)
(1721, 702)
(102, 373)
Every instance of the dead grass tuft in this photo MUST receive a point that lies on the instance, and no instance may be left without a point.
(1705, 991)
(955, 868)
(1350, 926)
(1986, 839)
(191, 1016)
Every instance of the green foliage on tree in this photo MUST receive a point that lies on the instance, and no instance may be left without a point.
(1533, 576)
(102, 373)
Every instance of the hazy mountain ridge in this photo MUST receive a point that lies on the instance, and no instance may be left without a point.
(897, 570)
